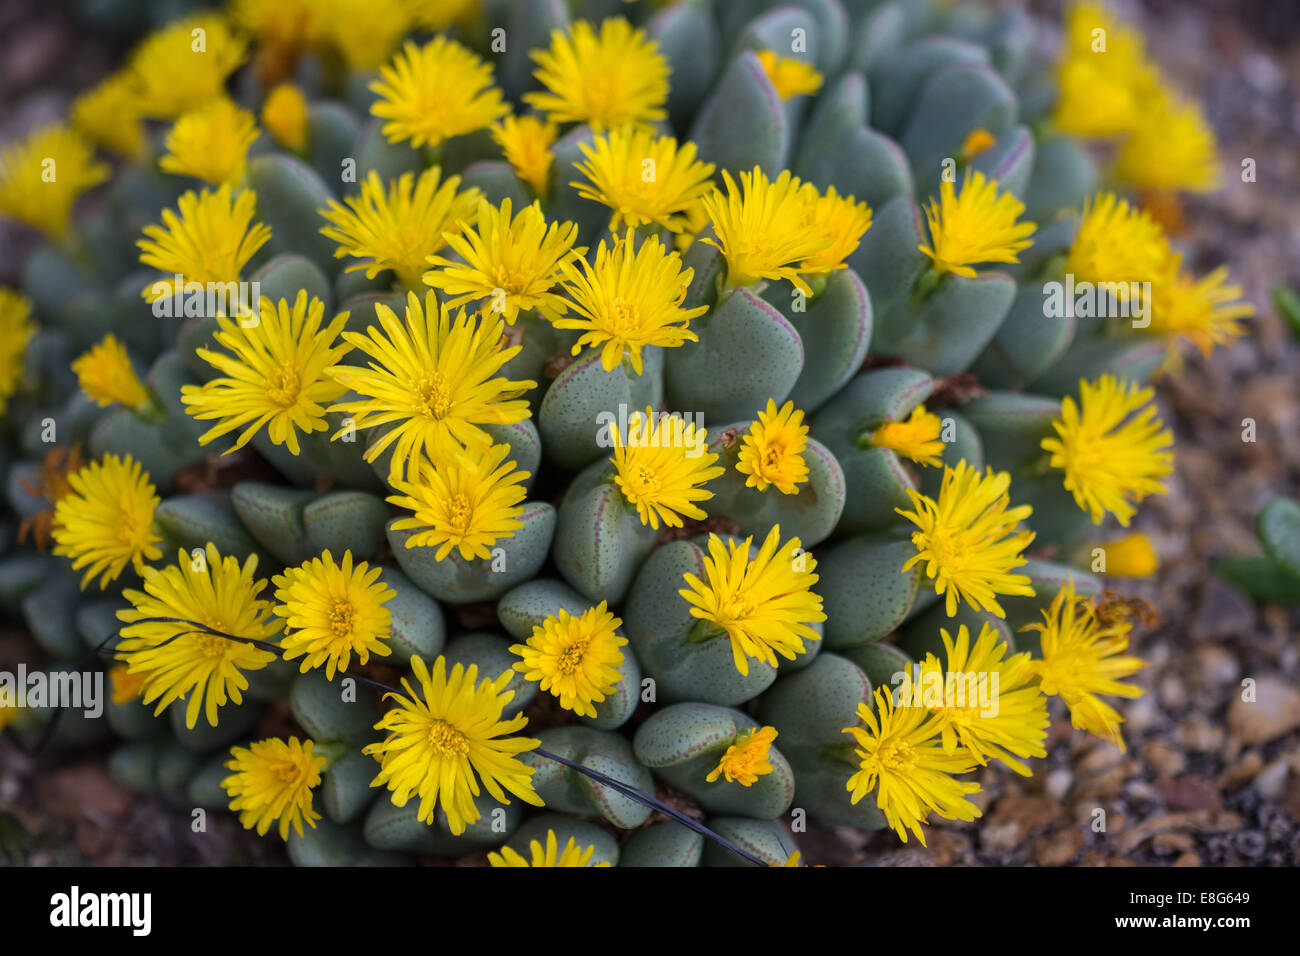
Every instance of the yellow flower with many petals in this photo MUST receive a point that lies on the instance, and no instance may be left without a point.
(468, 502)
(16, 330)
(916, 438)
(763, 604)
(105, 521)
(646, 179)
(400, 228)
(109, 115)
(771, 452)
(333, 610)
(284, 114)
(901, 757)
(365, 32)
(526, 143)
(974, 226)
(433, 378)
(185, 65)
(969, 540)
(837, 218)
(1083, 658)
(574, 658)
(1104, 77)
(1111, 446)
(1117, 243)
(747, 758)
(209, 242)
(790, 75)
(105, 374)
(759, 229)
(42, 176)
(210, 143)
(450, 737)
(550, 855)
(990, 703)
(507, 263)
(274, 373)
(272, 780)
(1172, 147)
(430, 93)
(607, 79)
(184, 662)
(1205, 312)
(661, 466)
(1129, 557)
(631, 298)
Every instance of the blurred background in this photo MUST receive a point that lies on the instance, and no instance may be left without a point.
(1207, 778)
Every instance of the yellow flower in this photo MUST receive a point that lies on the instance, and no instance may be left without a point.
(790, 76)
(629, 299)
(747, 758)
(989, 710)
(284, 29)
(42, 176)
(975, 226)
(184, 65)
(772, 450)
(512, 263)
(1116, 243)
(765, 604)
(1083, 658)
(1130, 557)
(978, 140)
(551, 855)
(332, 610)
(1172, 147)
(646, 179)
(106, 521)
(366, 32)
(126, 686)
(902, 759)
(399, 229)
(210, 143)
(606, 79)
(446, 740)
(760, 229)
(438, 15)
(284, 114)
(791, 861)
(467, 503)
(694, 220)
(1104, 78)
(575, 658)
(272, 780)
(837, 218)
(433, 92)
(274, 373)
(16, 330)
(109, 115)
(1111, 446)
(526, 142)
(970, 540)
(916, 438)
(106, 375)
(433, 378)
(210, 241)
(661, 465)
(1205, 312)
(183, 662)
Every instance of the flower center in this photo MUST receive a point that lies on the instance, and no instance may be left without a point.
(342, 615)
(283, 385)
(446, 740)
(286, 771)
(434, 395)
(623, 317)
(212, 646)
(740, 606)
(896, 755)
(460, 513)
(774, 455)
(571, 657)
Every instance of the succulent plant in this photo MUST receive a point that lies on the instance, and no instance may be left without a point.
(626, 407)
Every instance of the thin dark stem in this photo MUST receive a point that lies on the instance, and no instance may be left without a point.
(605, 780)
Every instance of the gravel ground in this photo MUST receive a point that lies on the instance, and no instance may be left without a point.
(1207, 778)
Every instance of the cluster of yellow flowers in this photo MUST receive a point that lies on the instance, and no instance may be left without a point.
(430, 382)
